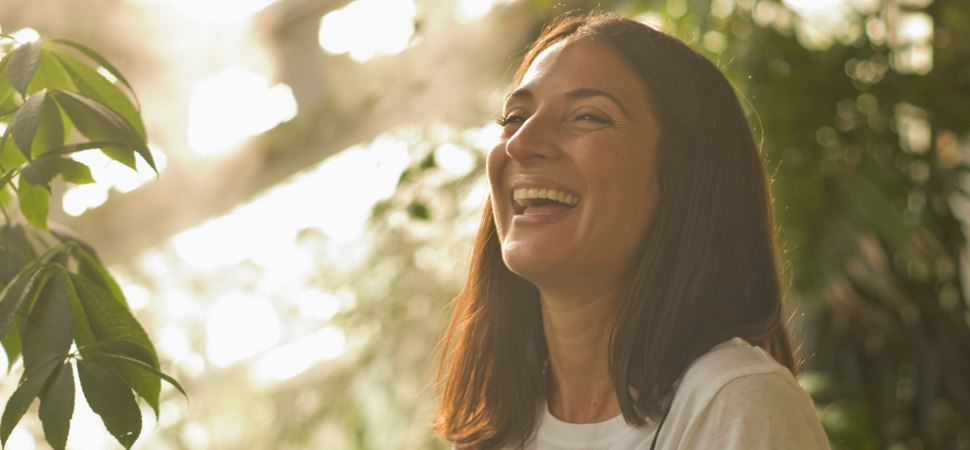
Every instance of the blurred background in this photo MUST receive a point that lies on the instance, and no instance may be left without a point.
(322, 176)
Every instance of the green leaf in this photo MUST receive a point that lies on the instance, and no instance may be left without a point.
(30, 386)
(57, 406)
(15, 251)
(8, 101)
(23, 127)
(49, 330)
(83, 335)
(143, 365)
(10, 155)
(110, 320)
(92, 84)
(35, 203)
(50, 74)
(100, 123)
(12, 343)
(89, 265)
(52, 131)
(111, 399)
(22, 66)
(74, 172)
(15, 294)
(99, 59)
(41, 171)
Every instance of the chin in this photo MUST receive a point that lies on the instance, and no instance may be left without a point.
(532, 265)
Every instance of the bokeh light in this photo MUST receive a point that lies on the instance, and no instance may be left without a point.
(367, 28)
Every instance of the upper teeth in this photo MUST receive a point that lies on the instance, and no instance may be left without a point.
(524, 195)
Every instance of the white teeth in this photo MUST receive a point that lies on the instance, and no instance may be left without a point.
(524, 197)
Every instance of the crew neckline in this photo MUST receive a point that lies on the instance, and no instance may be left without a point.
(557, 429)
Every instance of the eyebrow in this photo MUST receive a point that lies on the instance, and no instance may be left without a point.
(586, 92)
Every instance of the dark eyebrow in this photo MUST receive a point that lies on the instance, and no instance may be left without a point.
(520, 93)
(592, 92)
(573, 94)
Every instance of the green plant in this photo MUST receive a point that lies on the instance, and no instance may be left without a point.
(60, 309)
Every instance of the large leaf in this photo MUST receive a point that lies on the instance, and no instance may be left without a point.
(57, 406)
(52, 130)
(111, 399)
(89, 265)
(99, 59)
(83, 334)
(31, 385)
(92, 84)
(15, 294)
(22, 66)
(50, 74)
(41, 171)
(35, 202)
(12, 344)
(50, 330)
(100, 123)
(110, 320)
(23, 127)
(15, 251)
(8, 101)
(10, 156)
(110, 353)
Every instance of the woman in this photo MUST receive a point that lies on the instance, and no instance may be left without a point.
(624, 280)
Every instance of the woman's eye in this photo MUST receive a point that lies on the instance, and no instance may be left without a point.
(511, 122)
(511, 119)
(595, 118)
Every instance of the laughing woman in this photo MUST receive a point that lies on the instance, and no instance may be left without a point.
(624, 292)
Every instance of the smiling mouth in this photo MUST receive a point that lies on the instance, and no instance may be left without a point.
(533, 201)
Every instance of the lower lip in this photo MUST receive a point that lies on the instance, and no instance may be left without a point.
(540, 219)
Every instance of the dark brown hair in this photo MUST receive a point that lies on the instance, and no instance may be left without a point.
(706, 271)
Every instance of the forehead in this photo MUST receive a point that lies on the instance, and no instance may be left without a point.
(583, 63)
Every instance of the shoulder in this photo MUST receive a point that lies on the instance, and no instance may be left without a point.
(737, 396)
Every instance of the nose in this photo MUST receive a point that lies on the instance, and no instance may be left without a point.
(534, 141)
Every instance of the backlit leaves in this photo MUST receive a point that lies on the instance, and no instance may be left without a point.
(57, 406)
(112, 400)
(55, 294)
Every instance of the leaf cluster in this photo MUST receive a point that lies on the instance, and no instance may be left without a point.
(61, 311)
(47, 93)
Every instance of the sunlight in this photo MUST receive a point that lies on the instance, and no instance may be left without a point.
(467, 11)
(108, 174)
(214, 11)
(453, 159)
(264, 231)
(240, 326)
(79, 199)
(809, 7)
(915, 28)
(25, 35)
(220, 118)
(367, 28)
(292, 359)
(319, 305)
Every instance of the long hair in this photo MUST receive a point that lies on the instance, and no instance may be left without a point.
(705, 272)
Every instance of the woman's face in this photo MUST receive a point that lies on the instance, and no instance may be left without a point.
(573, 181)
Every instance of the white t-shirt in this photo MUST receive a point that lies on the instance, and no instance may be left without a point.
(735, 397)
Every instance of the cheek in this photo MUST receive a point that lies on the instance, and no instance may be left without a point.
(495, 166)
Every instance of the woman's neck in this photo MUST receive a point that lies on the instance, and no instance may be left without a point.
(578, 336)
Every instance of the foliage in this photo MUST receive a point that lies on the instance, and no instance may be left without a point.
(59, 306)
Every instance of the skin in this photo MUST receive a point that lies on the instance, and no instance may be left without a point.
(581, 122)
